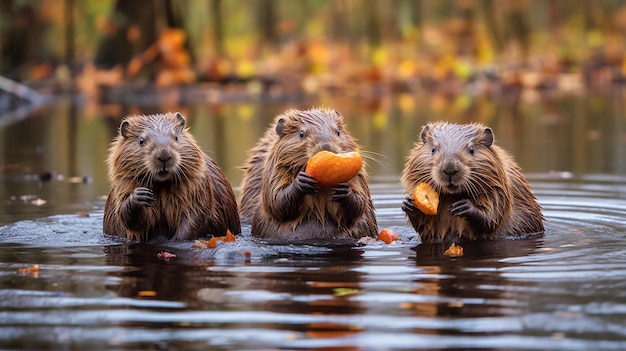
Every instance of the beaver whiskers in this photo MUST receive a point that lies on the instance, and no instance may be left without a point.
(163, 187)
(284, 203)
(482, 192)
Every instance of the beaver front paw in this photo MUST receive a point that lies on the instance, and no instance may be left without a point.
(305, 184)
(341, 192)
(132, 210)
(351, 205)
(466, 210)
(141, 197)
(408, 204)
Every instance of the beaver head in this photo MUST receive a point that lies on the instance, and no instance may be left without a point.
(458, 158)
(154, 148)
(303, 133)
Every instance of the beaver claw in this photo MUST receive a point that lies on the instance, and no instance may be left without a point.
(464, 209)
(131, 210)
(341, 192)
(142, 197)
(408, 204)
(305, 184)
(351, 205)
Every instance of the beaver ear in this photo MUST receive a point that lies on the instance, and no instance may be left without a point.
(181, 121)
(124, 129)
(488, 137)
(425, 133)
(280, 127)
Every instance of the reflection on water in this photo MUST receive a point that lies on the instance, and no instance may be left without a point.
(565, 290)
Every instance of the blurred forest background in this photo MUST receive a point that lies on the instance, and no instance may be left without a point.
(363, 47)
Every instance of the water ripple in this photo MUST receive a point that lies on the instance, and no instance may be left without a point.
(565, 290)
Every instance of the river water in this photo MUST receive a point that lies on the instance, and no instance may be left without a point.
(565, 290)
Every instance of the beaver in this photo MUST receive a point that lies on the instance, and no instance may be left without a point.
(482, 192)
(163, 186)
(285, 204)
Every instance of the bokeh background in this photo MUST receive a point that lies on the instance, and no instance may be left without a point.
(312, 44)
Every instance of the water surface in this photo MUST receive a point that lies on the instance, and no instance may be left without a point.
(565, 290)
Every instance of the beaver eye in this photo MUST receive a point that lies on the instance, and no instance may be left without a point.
(141, 141)
(176, 138)
(471, 150)
(338, 132)
(433, 150)
(301, 134)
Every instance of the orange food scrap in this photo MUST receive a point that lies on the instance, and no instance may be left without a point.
(212, 243)
(206, 244)
(198, 244)
(147, 293)
(32, 269)
(230, 237)
(454, 251)
(388, 236)
(165, 255)
(330, 169)
(426, 199)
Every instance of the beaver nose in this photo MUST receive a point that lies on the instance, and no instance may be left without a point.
(450, 172)
(450, 167)
(164, 156)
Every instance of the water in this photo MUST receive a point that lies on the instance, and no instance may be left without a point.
(565, 290)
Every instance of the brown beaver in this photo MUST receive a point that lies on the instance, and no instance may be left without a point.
(285, 204)
(163, 186)
(482, 192)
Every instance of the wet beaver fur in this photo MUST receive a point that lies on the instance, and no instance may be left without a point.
(482, 192)
(163, 186)
(284, 204)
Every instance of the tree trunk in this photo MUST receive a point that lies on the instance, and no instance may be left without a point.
(267, 20)
(492, 24)
(372, 22)
(218, 26)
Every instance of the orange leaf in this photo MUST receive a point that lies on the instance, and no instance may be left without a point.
(206, 244)
(230, 237)
(454, 251)
(33, 268)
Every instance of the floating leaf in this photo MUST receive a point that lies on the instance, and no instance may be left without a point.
(345, 291)
(454, 251)
(31, 269)
(230, 237)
